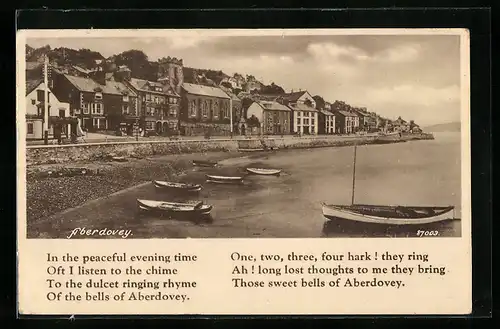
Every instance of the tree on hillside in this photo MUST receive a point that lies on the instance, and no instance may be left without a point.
(138, 63)
(320, 102)
(226, 84)
(272, 89)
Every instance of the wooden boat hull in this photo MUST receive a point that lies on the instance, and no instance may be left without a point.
(173, 207)
(204, 163)
(265, 172)
(224, 179)
(177, 187)
(388, 215)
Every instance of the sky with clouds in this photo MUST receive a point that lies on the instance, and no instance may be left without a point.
(414, 76)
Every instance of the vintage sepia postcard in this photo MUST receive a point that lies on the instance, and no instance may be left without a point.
(273, 171)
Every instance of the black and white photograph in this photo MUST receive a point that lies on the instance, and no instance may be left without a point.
(244, 135)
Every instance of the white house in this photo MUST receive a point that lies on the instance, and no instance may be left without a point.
(304, 112)
(35, 110)
(305, 119)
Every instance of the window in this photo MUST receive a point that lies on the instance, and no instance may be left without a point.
(148, 97)
(298, 121)
(192, 108)
(95, 123)
(98, 95)
(175, 100)
(172, 125)
(96, 108)
(125, 98)
(30, 128)
(299, 114)
(173, 111)
(33, 101)
(312, 122)
(39, 95)
(125, 109)
(306, 121)
(226, 110)
(204, 109)
(85, 107)
(62, 113)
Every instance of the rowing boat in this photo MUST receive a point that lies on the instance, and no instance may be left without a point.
(385, 214)
(262, 171)
(388, 215)
(204, 163)
(197, 207)
(224, 179)
(180, 187)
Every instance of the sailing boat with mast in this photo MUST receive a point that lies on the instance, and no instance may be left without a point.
(386, 215)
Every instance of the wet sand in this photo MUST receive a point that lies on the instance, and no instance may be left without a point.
(288, 206)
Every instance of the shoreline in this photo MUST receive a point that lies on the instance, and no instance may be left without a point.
(91, 152)
(67, 188)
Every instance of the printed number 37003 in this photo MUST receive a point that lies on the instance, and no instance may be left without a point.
(421, 233)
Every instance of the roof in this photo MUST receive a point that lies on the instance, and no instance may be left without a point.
(273, 106)
(81, 69)
(302, 107)
(294, 96)
(230, 93)
(140, 84)
(347, 114)
(202, 90)
(325, 112)
(362, 113)
(32, 84)
(112, 87)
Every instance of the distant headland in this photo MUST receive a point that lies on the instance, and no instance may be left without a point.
(444, 127)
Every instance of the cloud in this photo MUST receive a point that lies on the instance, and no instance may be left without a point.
(414, 94)
(178, 43)
(400, 54)
(331, 51)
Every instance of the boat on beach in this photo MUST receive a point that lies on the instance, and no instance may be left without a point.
(263, 171)
(204, 163)
(389, 215)
(178, 187)
(385, 214)
(224, 179)
(196, 208)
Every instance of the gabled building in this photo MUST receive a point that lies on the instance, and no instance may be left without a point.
(59, 113)
(304, 113)
(204, 109)
(274, 118)
(326, 122)
(363, 119)
(302, 97)
(100, 103)
(345, 122)
(158, 104)
(304, 119)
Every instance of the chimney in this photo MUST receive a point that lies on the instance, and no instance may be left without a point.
(99, 77)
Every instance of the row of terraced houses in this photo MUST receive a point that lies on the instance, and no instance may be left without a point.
(98, 100)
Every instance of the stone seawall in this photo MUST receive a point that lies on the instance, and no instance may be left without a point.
(59, 154)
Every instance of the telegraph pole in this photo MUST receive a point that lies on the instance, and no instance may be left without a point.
(46, 100)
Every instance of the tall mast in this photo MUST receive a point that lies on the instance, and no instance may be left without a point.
(354, 173)
(46, 97)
